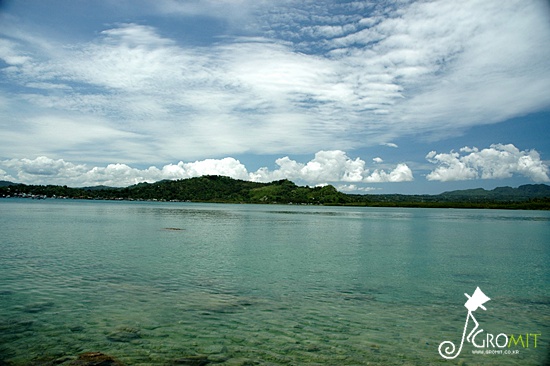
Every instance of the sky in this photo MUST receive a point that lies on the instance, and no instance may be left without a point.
(399, 96)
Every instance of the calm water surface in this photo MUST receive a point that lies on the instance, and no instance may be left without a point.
(265, 284)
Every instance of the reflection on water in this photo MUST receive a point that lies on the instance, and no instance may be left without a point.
(247, 284)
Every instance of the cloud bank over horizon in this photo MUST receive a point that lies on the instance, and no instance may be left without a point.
(327, 167)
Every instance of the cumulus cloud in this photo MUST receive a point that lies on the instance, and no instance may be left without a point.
(353, 188)
(496, 162)
(326, 167)
(332, 166)
(401, 173)
(44, 170)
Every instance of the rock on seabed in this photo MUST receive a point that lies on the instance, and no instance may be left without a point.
(95, 359)
(124, 334)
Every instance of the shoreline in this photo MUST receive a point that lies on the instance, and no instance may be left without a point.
(533, 205)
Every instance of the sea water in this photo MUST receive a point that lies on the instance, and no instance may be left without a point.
(152, 283)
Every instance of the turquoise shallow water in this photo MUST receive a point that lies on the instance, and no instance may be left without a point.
(266, 284)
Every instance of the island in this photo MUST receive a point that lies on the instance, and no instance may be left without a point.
(222, 189)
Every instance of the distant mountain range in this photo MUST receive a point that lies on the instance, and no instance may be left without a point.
(526, 191)
(215, 188)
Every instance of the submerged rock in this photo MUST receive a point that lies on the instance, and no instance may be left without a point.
(215, 349)
(124, 334)
(76, 328)
(312, 348)
(241, 362)
(195, 360)
(95, 359)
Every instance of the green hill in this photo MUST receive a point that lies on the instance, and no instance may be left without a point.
(214, 188)
(210, 188)
(524, 192)
(5, 183)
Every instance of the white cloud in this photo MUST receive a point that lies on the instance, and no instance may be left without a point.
(44, 170)
(308, 76)
(325, 167)
(496, 162)
(481, 54)
(378, 160)
(353, 188)
(10, 55)
(5, 176)
(401, 173)
(332, 166)
(227, 166)
(248, 95)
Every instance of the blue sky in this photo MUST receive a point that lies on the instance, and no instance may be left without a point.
(372, 97)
